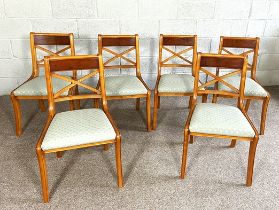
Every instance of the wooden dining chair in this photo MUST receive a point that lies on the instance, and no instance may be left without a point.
(175, 84)
(124, 86)
(35, 87)
(253, 89)
(77, 128)
(218, 120)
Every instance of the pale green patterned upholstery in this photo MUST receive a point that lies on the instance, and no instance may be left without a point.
(78, 127)
(252, 88)
(176, 83)
(37, 87)
(124, 85)
(220, 119)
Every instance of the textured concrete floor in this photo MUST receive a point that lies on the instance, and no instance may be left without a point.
(86, 178)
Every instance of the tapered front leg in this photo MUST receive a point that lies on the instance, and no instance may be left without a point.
(42, 105)
(60, 154)
(106, 147)
(204, 98)
(43, 172)
(251, 160)
(96, 103)
(118, 162)
(233, 143)
(148, 112)
(184, 155)
(191, 140)
(264, 113)
(17, 112)
(138, 104)
(247, 105)
(155, 110)
(214, 98)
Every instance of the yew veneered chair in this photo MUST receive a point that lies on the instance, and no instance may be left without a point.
(219, 120)
(124, 86)
(175, 84)
(253, 89)
(35, 87)
(78, 128)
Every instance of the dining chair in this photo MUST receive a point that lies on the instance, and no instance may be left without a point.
(253, 89)
(218, 120)
(124, 86)
(173, 84)
(35, 87)
(76, 129)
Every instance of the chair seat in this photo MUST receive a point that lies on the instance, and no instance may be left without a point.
(252, 88)
(124, 85)
(220, 119)
(73, 128)
(37, 87)
(176, 83)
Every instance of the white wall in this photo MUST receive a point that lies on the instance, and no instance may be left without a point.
(86, 18)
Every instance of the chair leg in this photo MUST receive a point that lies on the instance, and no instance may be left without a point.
(60, 154)
(233, 143)
(191, 140)
(264, 113)
(251, 160)
(247, 105)
(77, 101)
(96, 103)
(148, 117)
(184, 155)
(17, 112)
(204, 98)
(159, 102)
(155, 110)
(118, 162)
(138, 104)
(43, 172)
(190, 101)
(106, 147)
(42, 105)
(214, 98)
(72, 105)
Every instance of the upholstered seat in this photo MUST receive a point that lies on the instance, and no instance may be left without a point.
(176, 83)
(124, 85)
(37, 87)
(220, 119)
(252, 88)
(78, 127)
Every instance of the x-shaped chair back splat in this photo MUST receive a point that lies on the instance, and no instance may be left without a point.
(249, 45)
(40, 41)
(204, 88)
(57, 65)
(129, 41)
(190, 44)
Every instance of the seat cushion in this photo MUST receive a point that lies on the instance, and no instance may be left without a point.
(252, 88)
(176, 83)
(78, 127)
(37, 87)
(220, 119)
(124, 85)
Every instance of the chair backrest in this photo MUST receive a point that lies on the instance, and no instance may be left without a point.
(46, 43)
(56, 65)
(106, 42)
(189, 44)
(236, 62)
(249, 45)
